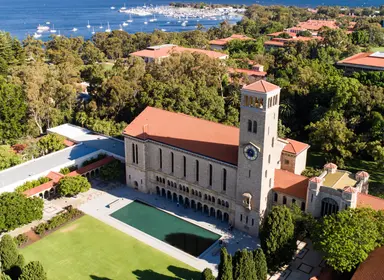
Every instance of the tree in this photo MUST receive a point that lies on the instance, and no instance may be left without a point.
(9, 254)
(18, 210)
(112, 171)
(50, 143)
(277, 237)
(8, 157)
(70, 186)
(225, 265)
(260, 264)
(33, 271)
(243, 266)
(347, 237)
(207, 275)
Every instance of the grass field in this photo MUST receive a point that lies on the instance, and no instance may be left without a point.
(90, 249)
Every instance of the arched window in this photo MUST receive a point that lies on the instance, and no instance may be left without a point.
(293, 201)
(303, 206)
(284, 200)
(193, 192)
(219, 201)
(227, 204)
(205, 196)
(329, 206)
(213, 199)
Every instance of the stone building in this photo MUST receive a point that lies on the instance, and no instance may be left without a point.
(224, 171)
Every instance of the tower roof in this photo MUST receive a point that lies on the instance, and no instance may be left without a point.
(261, 86)
(295, 147)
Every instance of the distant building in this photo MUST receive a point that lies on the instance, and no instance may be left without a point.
(156, 53)
(255, 74)
(220, 44)
(285, 42)
(363, 61)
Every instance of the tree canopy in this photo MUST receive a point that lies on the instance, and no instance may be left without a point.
(70, 186)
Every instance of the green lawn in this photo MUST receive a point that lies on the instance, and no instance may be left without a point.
(90, 249)
(376, 178)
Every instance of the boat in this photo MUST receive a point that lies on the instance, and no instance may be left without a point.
(112, 8)
(43, 28)
(93, 30)
(74, 29)
(53, 30)
(121, 28)
(145, 22)
(59, 35)
(36, 35)
(168, 22)
(123, 8)
(130, 18)
(184, 23)
(153, 19)
(88, 25)
(125, 24)
(108, 28)
(101, 26)
(162, 29)
(39, 31)
(48, 22)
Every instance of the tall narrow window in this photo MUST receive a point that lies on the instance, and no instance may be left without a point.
(273, 142)
(253, 222)
(172, 162)
(133, 153)
(161, 158)
(254, 127)
(270, 182)
(197, 171)
(266, 174)
(249, 173)
(275, 197)
(224, 179)
(185, 166)
(137, 155)
(241, 217)
(249, 126)
(210, 174)
(284, 200)
(269, 158)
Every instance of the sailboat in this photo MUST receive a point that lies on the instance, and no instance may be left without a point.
(36, 35)
(101, 26)
(88, 25)
(74, 29)
(93, 30)
(123, 8)
(125, 24)
(108, 28)
(53, 30)
(153, 19)
(130, 18)
(59, 35)
(121, 28)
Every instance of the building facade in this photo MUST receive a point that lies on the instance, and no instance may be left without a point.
(223, 171)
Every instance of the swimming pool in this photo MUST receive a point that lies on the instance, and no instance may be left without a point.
(181, 234)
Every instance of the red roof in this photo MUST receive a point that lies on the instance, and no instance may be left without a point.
(68, 143)
(91, 166)
(372, 268)
(224, 41)
(330, 165)
(295, 147)
(364, 59)
(261, 86)
(274, 43)
(362, 174)
(370, 201)
(165, 51)
(199, 136)
(55, 176)
(291, 184)
(275, 34)
(247, 71)
(317, 24)
(38, 189)
(315, 179)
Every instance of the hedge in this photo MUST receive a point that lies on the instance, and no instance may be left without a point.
(58, 220)
(21, 239)
(32, 184)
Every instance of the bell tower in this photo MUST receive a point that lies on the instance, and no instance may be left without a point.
(258, 154)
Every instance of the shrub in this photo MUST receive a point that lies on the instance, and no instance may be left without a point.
(50, 143)
(93, 159)
(58, 220)
(68, 169)
(69, 186)
(40, 228)
(21, 239)
(9, 255)
(33, 271)
(32, 184)
(112, 171)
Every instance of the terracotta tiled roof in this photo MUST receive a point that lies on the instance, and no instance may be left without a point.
(247, 71)
(68, 143)
(168, 50)
(91, 166)
(295, 147)
(291, 184)
(38, 189)
(362, 174)
(274, 43)
(275, 34)
(350, 189)
(330, 165)
(372, 268)
(261, 86)
(316, 180)
(55, 176)
(199, 136)
(370, 201)
(224, 41)
(363, 59)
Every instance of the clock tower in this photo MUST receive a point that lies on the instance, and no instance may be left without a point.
(258, 154)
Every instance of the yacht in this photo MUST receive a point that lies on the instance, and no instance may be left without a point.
(130, 18)
(74, 29)
(53, 30)
(123, 8)
(145, 22)
(168, 22)
(125, 24)
(162, 29)
(121, 28)
(48, 22)
(88, 25)
(36, 35)
(93, 30)
(112, 8)
(108, 29)
(153, 19)
(39, 31)
(59, 35)
(42, 28)
(184, 23)
(101, 26)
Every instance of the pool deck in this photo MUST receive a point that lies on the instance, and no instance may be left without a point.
(96, 202)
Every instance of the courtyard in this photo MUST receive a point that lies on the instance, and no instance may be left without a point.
(89, 249)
